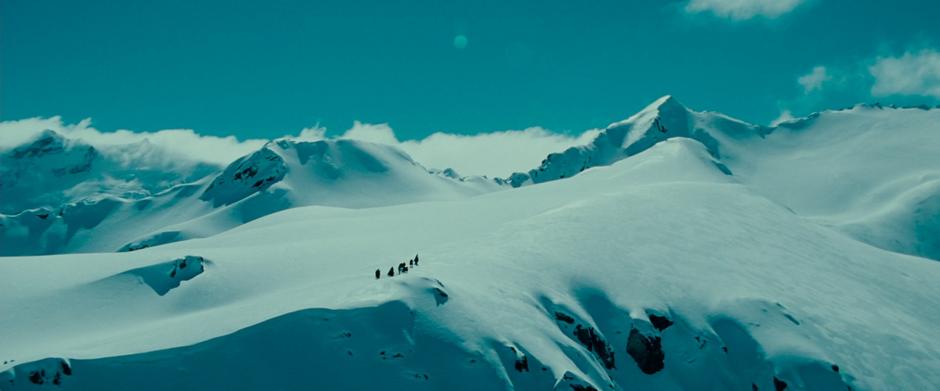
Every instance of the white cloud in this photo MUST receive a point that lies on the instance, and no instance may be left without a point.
(495, 154)
(785, 116)
(311, 134)
(177, 143)
(911, 74)
(743, 9)
(815, 79)
(375, 133)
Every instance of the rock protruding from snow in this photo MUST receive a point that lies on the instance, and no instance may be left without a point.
(246, 176)
(647, 351)
(166, 276)
(46, 372)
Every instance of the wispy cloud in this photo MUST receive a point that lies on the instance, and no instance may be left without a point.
(496, 154)
(175, 143)
(743, 9)
(785, 116)
(910, 74)
(815, 79)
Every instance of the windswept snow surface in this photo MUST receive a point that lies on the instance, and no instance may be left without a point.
(871, 172)
(281, 175)
(658, 271)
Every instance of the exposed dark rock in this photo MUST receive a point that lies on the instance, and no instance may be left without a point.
(522, 364)
(49, 142)
(37, 377)
(660, 322)
(595, 343)
(579, 387)
(564, 317)
(248, 172)
(779, 385)
(440, 297)
(647, 351)
(754, 387)
(66, 368)
(835, 368)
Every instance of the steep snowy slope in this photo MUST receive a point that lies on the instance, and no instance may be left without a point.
(657, 272)
(869, 171)
(52, 170)
(281, 175)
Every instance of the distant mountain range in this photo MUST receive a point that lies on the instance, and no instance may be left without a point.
(678, 250)
(849, 169)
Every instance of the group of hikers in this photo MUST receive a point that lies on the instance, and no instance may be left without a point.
(402, 268)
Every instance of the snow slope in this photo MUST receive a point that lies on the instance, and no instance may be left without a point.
(659, 271)
(281, 175)
(869, 171)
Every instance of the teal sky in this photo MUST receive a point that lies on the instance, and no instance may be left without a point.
(265, 69)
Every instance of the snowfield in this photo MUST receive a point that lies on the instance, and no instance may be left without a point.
(678, 251)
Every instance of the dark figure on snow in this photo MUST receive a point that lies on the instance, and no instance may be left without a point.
(411, 262)
(391, 272)
(378, 273)
(416, 259)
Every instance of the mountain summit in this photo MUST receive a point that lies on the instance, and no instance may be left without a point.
(665, 118)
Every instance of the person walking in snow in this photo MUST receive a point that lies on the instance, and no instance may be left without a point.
(378, 274)
(416, 259)
(391, 272)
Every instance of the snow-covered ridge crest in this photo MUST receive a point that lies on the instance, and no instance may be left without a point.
(663, 119)
(282, 174)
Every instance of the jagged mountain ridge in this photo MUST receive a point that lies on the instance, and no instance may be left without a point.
(790, 163)
(281, 175)
(869, 171)
(663, 119)
(52, 170)
(622, 277)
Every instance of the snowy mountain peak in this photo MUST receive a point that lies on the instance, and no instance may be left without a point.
(247, 175)
(665, 118)
(333, 172)
(45, 143)
(665, 104)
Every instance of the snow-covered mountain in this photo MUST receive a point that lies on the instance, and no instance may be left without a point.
(680, 250)
(869, 171)
(51, 170)
(281, 175)
(663, 119)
